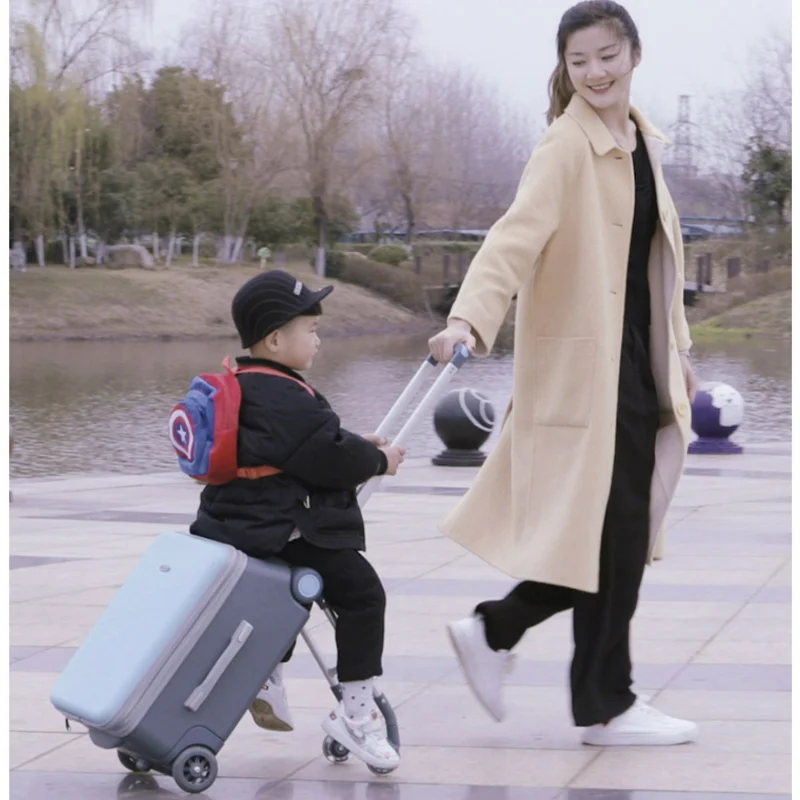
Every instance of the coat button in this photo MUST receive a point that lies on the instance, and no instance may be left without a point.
(683, 409)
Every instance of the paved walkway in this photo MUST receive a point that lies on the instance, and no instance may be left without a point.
(711, 642)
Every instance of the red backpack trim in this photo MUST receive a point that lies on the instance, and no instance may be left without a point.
(261, 472)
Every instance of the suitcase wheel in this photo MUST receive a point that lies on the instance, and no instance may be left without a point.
(195, 769)
(335, 753)
(132, 763)
(380, 770)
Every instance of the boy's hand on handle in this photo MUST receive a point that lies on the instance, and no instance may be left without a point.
(443, 345)
(373, 438)
(394, 458)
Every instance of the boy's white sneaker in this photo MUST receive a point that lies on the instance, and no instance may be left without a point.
(641, 724)
(364, 738)
(270, 710)
(485, 669)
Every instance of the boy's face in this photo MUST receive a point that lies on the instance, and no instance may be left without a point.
(295, 344)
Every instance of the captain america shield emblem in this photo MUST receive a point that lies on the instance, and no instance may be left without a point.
(181, 433)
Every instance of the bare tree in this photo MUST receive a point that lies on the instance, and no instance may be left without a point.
(326, 58)
(412, 138)
(761, 108)
(768, 93)
(84, 39)
(481, 149)
(255, 143)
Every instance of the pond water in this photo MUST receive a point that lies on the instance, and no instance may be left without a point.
(79, 407)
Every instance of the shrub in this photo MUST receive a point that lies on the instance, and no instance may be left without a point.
(392, 254)
(53, 252)
(334, 263)
(460, 247)
(401, 286)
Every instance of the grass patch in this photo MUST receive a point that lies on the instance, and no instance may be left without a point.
(713, 332)
(79, 288)
(767, 316)
(179, 302)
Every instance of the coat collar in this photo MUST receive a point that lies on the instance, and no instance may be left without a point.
(249, 361)
(598, 134)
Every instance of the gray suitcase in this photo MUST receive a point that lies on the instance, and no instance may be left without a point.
(180, 653)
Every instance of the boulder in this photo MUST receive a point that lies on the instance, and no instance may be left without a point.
(119, 256)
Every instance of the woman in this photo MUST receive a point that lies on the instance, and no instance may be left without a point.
(572, 499)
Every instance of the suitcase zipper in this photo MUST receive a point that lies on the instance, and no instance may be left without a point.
(138, 704)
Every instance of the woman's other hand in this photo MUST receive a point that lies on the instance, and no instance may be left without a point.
(688, 376)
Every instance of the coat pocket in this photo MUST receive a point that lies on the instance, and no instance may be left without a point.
(564, 375)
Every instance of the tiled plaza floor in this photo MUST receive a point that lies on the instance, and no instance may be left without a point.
(711, 642)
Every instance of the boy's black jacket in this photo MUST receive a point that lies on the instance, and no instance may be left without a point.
(282, 425)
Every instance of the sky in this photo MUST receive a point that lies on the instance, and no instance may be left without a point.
(694, 47)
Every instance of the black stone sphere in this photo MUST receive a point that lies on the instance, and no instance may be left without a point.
(463, 420)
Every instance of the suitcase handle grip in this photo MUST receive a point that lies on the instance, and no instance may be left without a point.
(461, 355)
(201, 693)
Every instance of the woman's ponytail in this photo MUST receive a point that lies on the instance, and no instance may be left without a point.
(561, 90)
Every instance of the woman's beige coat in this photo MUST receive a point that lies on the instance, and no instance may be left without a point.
(535, 510)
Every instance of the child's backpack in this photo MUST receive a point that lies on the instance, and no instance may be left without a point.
(203, 427)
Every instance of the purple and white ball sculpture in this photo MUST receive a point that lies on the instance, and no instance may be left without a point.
(717, 411)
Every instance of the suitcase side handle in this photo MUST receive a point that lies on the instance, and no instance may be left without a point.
(201, 693)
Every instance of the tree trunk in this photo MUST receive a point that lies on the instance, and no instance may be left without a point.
(230, 244)
(64, 249)
(40, 249)
(196, 250)
(319, 265)
(321, 221)
(156, 255)
(237, 249)
(72, 252)
(100, 253)
(170, 248)
(81, 226)
(410, 219)
(242, 235)
(18, 257)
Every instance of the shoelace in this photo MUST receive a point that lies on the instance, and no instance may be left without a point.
(649, 710)
(510, 661)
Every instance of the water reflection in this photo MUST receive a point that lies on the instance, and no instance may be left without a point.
(102, 406)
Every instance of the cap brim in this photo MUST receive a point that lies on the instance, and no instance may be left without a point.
(317, 297)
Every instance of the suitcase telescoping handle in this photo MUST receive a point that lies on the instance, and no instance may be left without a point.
(460, 357)
(201, 693)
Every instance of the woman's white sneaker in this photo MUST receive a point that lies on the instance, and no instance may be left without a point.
(485, 669)
(364, 738)
(641, 724)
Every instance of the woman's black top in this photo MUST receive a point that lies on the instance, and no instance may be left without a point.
(645, 218)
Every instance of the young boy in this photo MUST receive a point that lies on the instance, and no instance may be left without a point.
(307, 515)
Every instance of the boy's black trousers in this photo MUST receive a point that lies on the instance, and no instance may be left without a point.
(600, 676)
(352, 588)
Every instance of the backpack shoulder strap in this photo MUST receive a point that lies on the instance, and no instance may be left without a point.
(265, 371)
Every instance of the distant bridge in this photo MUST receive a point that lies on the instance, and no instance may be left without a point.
(693, 229)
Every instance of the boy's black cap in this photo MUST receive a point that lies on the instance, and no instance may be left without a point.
(270, 300)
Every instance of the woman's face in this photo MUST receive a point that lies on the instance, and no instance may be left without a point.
(600, 65)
